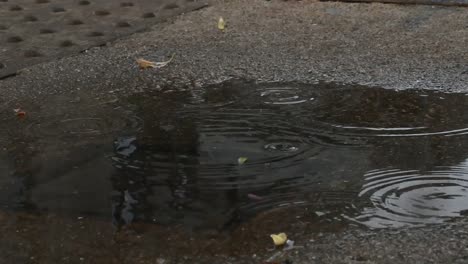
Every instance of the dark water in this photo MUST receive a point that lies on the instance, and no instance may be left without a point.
(357, 154)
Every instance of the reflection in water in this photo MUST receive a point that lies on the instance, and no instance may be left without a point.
(172, 156)
(411, 197)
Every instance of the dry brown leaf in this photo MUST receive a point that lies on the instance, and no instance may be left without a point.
(145, 64)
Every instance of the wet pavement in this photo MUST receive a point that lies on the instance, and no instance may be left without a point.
(320, 157)
(416, 2)
(192, 164)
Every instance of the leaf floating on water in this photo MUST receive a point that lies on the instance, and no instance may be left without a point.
(145, 64)
(279, 239)
(221, 24)
(319, 214)
(241, 160)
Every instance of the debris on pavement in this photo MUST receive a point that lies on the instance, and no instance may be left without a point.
(145, 64)
(20, 113)
(289, 245)
(221, 24)
(279, 239)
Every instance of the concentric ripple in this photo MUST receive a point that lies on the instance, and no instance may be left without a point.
(412, 197)
(297, 141)
(285, 95)
(367, 112)
(209, 144)
(239, 148)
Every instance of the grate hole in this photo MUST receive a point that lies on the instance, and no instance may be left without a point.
(66, 43)
(2, 65)
(101, 13)
(84, 2)
(46, 31)
(75, 22)
(123, 24)
(58, 9)
(148, 15)
(16, 8)
(126, 4)
(42, 1)
(14, 39)
(95, 34)
(31, 54)
(4, 1)
(3, 27)
(171, 6)
(30, 18)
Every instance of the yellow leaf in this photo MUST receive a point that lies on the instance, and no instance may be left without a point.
(221, 24)
(279, 239)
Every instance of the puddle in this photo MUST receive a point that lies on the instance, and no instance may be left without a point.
(412, 197)
(353, 154)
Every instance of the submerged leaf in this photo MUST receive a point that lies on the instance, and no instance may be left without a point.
(279, 239)
(241, 160)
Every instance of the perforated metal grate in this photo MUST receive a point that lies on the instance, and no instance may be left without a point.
(34, 31)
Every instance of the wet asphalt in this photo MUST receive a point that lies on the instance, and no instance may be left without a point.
(389, 46)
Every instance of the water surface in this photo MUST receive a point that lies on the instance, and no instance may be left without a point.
(344, 153)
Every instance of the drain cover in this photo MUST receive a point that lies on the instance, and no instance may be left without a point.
(34, 31)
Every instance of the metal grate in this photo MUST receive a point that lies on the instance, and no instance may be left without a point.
(34, 31)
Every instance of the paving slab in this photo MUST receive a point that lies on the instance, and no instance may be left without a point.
(35, 31)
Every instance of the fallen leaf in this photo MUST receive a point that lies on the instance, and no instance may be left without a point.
(279, 239)
(19, 113)
(241, 160)
(221, 24)
(145, 64)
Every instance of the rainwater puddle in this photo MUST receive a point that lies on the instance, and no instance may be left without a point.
(323, 153)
